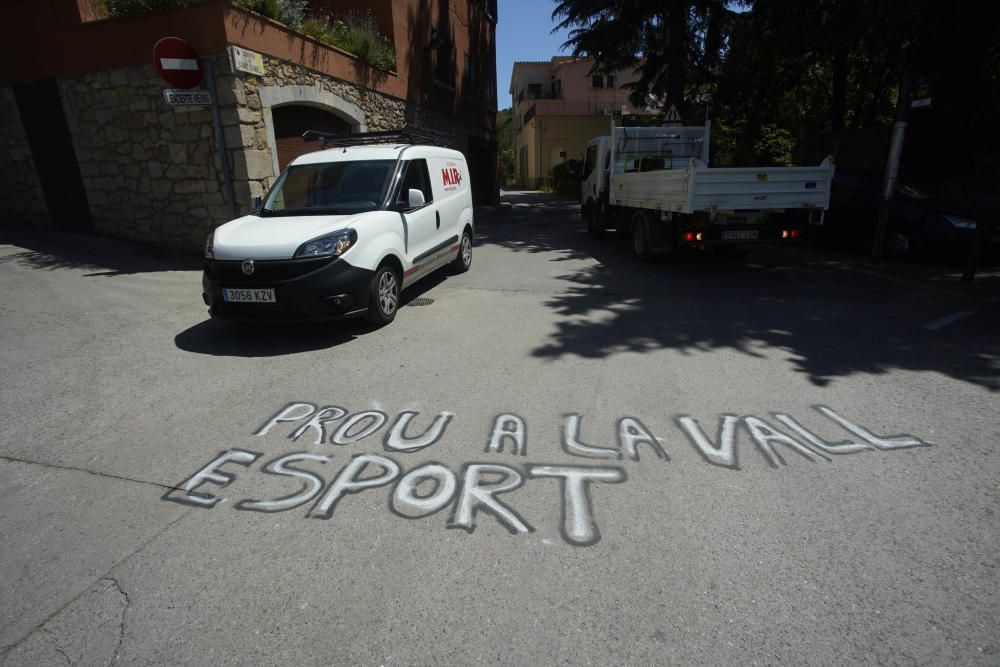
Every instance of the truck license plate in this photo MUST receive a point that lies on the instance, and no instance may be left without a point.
(741, 235)
(249, 295)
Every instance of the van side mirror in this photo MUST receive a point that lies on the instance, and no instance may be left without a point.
(256, 203)
(415, 198)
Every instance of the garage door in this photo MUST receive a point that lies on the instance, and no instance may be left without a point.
(290, 121)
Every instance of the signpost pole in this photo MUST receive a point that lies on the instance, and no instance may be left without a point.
(892, 165)
(220, 140)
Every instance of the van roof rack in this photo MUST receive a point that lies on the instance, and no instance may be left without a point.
(405, 135)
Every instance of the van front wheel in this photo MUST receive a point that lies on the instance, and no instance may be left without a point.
(383, 298)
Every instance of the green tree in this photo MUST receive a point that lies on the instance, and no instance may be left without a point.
(793, 80)
(505, 139)
(670, 44)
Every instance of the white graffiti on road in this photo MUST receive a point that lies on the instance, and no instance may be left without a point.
(484, 488)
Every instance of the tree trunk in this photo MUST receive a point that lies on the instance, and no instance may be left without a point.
(676, 52)
(844, 21)
(838, 105)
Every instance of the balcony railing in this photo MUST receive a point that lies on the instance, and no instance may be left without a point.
(591, 107)
(541, 94)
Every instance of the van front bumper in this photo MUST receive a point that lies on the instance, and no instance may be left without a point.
(304, 289)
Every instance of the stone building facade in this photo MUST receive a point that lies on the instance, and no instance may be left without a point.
(152, 172)
(21, 196)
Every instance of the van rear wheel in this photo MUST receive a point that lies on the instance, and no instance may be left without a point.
(463, 261)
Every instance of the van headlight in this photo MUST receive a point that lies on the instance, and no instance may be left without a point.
(334, 244)
(210, 246)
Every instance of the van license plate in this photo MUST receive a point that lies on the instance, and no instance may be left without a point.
(742, 235)
(249, 295)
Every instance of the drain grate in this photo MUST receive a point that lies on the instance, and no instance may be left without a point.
(421, 301)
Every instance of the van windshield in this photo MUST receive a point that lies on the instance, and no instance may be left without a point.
(330, 188)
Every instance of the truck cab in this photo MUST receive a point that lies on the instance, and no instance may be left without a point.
(593, 195)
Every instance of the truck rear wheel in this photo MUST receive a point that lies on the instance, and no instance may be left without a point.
(640, 238)
(595, 220)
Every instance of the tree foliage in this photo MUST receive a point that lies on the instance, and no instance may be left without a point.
(505, 141)
(670, 44)
(792, 81)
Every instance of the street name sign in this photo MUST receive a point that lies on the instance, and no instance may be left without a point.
(188, 98)
(248, 61)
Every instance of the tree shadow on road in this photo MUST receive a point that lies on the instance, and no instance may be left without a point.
(826, 317)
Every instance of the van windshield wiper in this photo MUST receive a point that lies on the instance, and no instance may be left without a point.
(310, 210)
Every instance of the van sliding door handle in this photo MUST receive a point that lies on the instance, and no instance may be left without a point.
(437, 216)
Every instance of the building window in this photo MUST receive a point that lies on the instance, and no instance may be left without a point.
(534, 91)
(444, 65)
(470, 78)
(488, 7)
(491, 92)
(597, 81)
(611, 81)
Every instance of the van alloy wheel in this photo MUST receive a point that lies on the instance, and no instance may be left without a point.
(388, 292)
(463, 260)
(384, 296)
(466, 250)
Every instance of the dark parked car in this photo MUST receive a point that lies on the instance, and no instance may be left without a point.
(919, 223)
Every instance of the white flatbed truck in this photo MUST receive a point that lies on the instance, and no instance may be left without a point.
(654, 184)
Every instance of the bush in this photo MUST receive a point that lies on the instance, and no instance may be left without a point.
(290, 12)
(356, 33)
(566, 178)
(774, 147)
(506, 166)
(133, 7)
(293, 12)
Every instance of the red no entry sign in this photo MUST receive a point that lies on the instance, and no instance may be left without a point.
(177, 62)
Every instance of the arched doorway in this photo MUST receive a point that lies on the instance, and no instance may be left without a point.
(291, 120)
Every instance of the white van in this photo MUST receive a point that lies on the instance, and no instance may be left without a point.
(342, 232)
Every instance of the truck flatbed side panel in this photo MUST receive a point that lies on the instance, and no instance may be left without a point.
(663, 190)
(726, 188)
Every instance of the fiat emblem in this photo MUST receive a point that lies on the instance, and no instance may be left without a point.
(248, 266)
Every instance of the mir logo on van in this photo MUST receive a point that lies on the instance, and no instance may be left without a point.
(451, 176)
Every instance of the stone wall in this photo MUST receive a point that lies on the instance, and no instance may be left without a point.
(151, 172)
(248, 122)
(249, 125)
(21, 197)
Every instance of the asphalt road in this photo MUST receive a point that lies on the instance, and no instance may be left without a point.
(792, 459)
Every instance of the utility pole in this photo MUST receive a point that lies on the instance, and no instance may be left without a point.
(892, 162)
